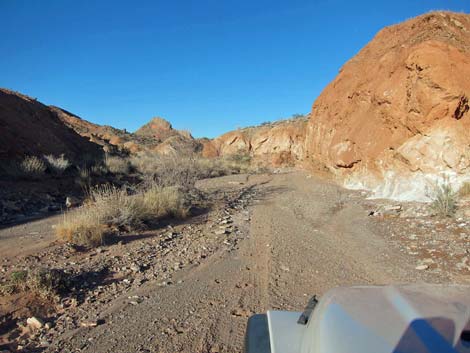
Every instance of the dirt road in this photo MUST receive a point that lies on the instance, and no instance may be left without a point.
(300, 236)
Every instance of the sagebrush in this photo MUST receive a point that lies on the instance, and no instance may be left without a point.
(443, 198)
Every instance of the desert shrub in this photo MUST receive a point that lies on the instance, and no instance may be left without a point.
(168, 170)
(17, 282)
(57, 165)
(83, 227)
(84, 178)
(18, 277)
(84, 173)
(172, 171)
(164, 201)
(110, 209)
(42, 281)
(47, 282)
(99, 169)
(443, 198)
(464, 190)
(118, 208)
(184, 171)
(31, 167)
(117, 165)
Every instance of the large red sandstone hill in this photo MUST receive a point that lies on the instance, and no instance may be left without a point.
(397, 115)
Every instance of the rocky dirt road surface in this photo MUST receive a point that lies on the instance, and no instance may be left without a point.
(299, 237)
(273, 242)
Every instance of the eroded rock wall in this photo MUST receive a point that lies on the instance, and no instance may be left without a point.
(396, 118)
(277, 144)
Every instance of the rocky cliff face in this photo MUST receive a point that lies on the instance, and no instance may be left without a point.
(397, 115)
(277, 144)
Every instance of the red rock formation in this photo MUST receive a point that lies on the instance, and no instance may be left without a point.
(275, 144)
(160, 129)
(397, 115)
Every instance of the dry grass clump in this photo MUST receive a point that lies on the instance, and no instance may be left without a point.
(84, 177)
(30, 167)
(99, 169)
(116, 207)
(57, 165)
(464, 190)
(33, 167)
(443, 198)
(163, 202)
(110, 209)
(46, 283)
(117, 165)
(83, 227)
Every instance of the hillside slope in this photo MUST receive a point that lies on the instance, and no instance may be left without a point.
(397, 115)
(158, 135)
(28, 127)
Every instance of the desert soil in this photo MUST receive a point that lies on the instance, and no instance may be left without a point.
(269, 242)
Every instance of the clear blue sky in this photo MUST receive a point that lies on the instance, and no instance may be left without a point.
(206, 65)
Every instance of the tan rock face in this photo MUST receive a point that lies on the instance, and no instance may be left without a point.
(397, 115)
(275, 144)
